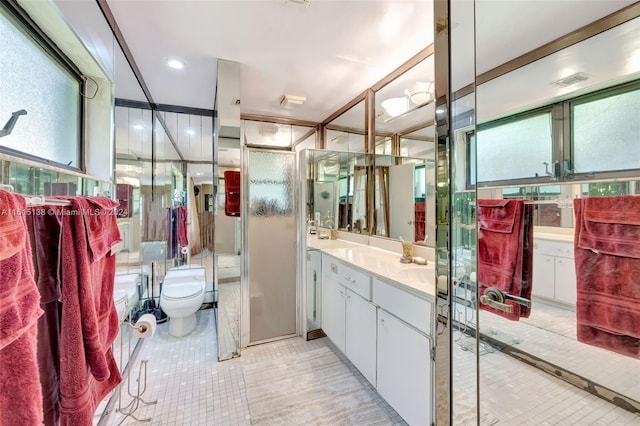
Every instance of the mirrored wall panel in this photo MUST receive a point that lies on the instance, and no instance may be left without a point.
(556, 171)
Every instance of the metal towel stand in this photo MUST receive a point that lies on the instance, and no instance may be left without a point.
(129, 409)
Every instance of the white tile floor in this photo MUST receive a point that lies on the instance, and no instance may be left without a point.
(192, 388)
(550, 334)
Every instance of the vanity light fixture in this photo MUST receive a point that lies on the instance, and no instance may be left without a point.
(292, 101)
(175, 63)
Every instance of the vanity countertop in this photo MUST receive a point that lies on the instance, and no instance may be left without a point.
(564, 237)
(315, 243)
(416, 279)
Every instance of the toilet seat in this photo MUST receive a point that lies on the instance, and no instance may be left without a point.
(181, 291)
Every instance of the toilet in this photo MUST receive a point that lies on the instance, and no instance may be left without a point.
(126, 293)
(182, 295)
(121, 298)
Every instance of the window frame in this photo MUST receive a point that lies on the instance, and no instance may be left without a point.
(23, 22)
(562, 143)
(552, 110)
(569, 149)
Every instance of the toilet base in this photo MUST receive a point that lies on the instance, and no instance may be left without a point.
(180, 327)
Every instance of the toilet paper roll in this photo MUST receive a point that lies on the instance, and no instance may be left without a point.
(184, 250)
(145, 326)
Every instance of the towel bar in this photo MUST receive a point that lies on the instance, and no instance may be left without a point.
(495, 298)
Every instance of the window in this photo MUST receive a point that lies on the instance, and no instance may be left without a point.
(514, 149)
(606, 132)
(31, 79)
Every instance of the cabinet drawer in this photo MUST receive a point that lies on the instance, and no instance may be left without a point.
(358, 282)
(553, 248)
(406, 306)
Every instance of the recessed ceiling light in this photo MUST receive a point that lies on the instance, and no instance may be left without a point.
(138, 127)
(175, 63)
(191, 132)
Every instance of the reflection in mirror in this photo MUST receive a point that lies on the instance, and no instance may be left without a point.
(404, 125)
(569, 299)
(347, 131)
(400, 195)
(226, 210)
(329, 190)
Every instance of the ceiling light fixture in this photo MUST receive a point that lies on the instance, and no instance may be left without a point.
(292, 101)
(339, 139)
(175, 63)
(395, 106)
(420, 92)
(576, 78)
(191, 132)
(138, 127)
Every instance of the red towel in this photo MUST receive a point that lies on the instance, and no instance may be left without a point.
(505, 254)
(44, 236)
(21, 395)
(232, 193)
(607, 259)
(183, 238)
(89, 323)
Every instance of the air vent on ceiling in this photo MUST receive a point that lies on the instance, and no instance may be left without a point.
(268, 130)
(304, 3)
(571, 80)
(292, 101)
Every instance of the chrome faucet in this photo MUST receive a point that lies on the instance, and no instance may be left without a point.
(556, 170)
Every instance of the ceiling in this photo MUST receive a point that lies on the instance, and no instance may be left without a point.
(330, 51)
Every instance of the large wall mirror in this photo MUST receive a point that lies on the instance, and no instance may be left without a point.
(405, 129)
(226, 209)
(559, 129)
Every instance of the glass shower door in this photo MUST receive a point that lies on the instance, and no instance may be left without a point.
(271, 241)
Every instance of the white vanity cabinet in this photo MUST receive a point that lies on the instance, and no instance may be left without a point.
(404, 351)
(385, 330)
(360, 335)
(404, 369)
(349, 319)
(554, 275)
(333, 311)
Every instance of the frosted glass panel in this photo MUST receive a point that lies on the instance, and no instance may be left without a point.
(514, 150)
(606, 133)
(31, 80)
(271, 244)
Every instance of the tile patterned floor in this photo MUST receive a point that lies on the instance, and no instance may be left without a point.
(192, 388)
(550, 334)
